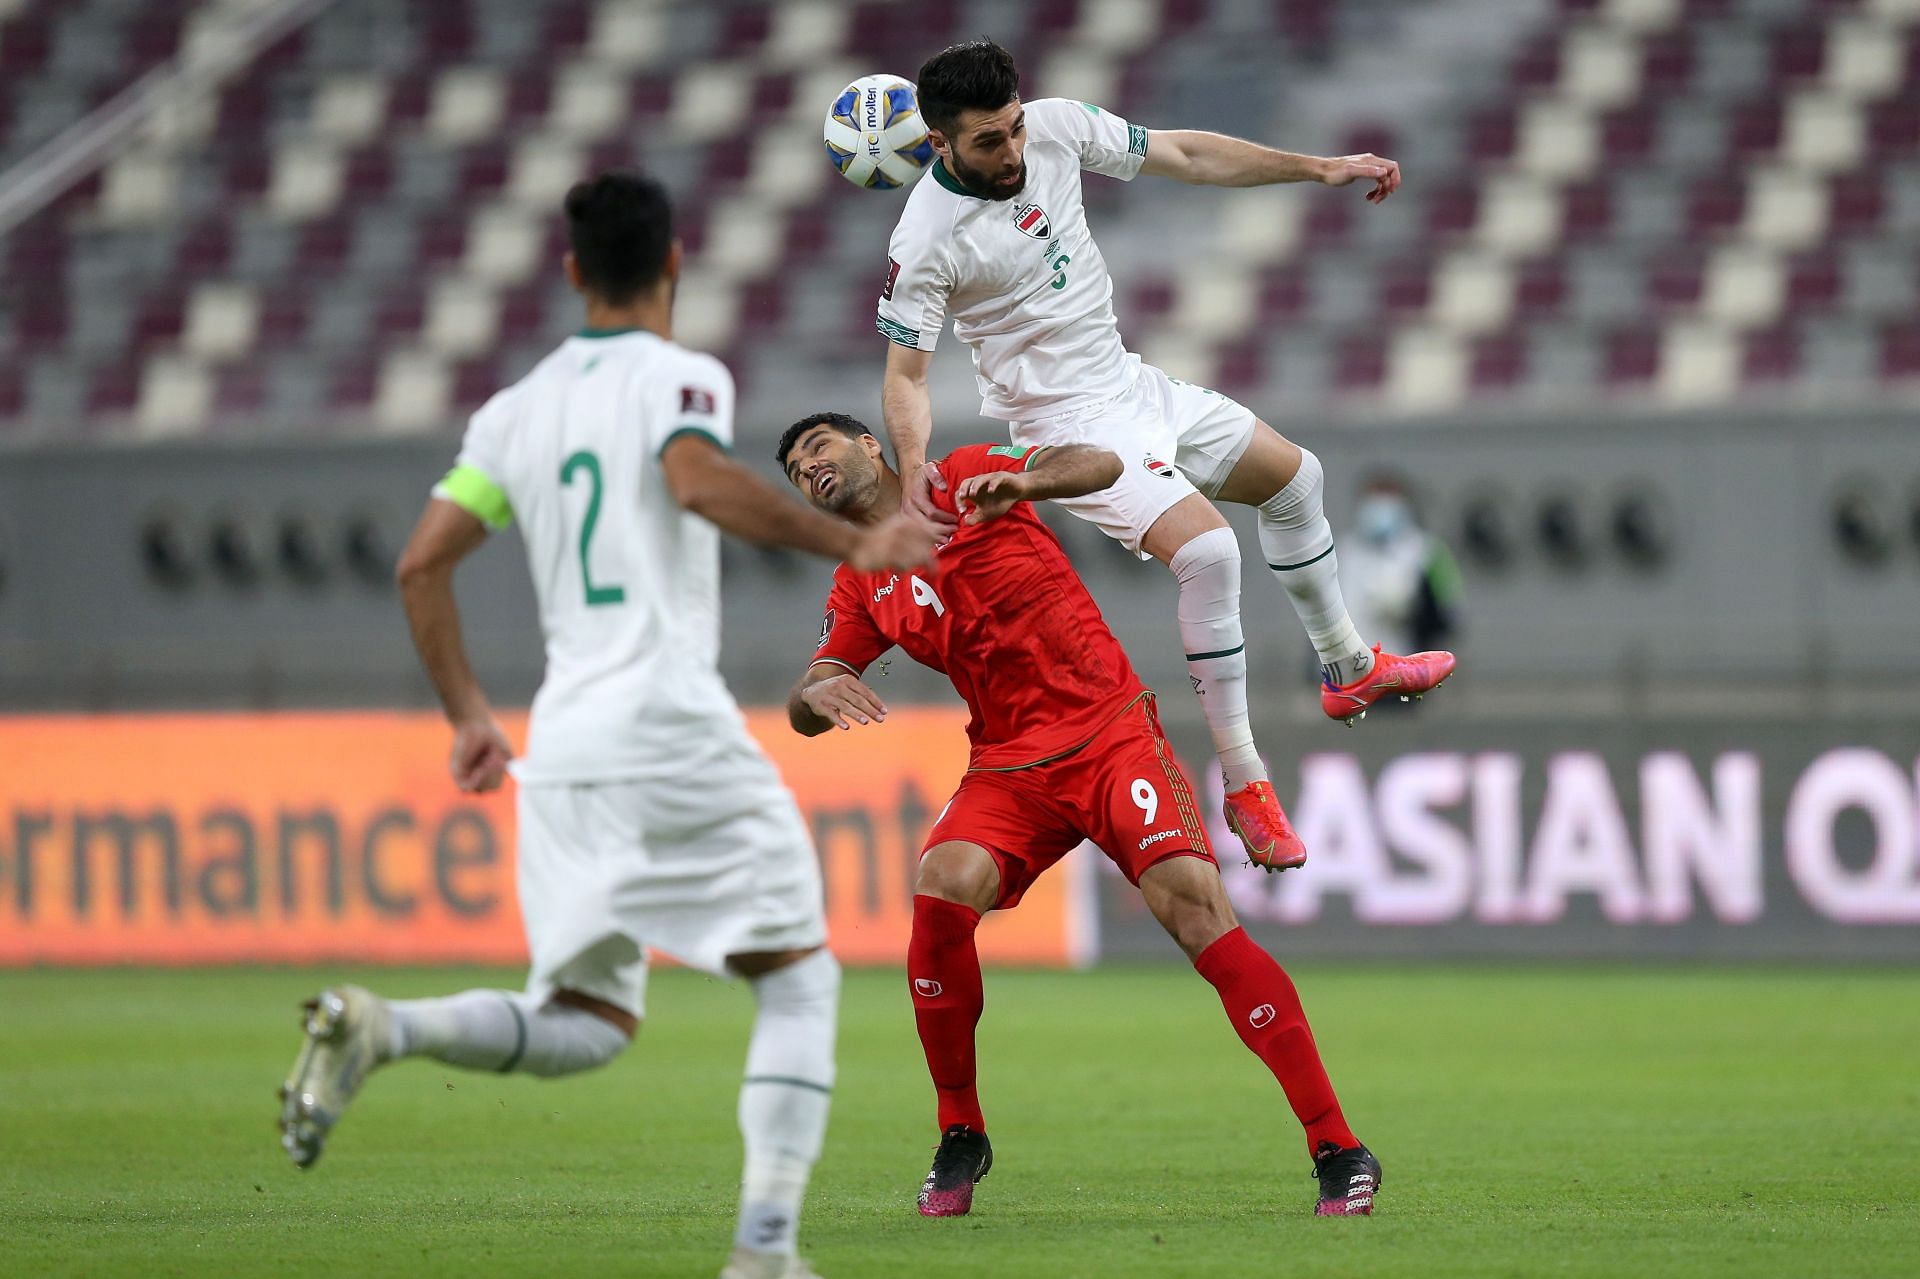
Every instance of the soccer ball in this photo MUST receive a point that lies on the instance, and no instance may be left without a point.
(875, 135)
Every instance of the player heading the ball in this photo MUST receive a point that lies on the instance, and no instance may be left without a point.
(996, 240)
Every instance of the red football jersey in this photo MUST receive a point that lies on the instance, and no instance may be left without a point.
(1004, 616)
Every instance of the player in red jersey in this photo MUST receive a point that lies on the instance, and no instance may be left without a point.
(1066, 747)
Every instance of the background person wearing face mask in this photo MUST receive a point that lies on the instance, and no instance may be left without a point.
(1401, 582)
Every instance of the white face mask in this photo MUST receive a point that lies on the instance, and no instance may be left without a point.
(1382, 517)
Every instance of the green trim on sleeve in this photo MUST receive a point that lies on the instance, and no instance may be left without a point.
(895, 331)
(705, 432)
(1025, 454)
(1137, 140)
(473, 491)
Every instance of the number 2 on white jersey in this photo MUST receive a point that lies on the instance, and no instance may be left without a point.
(923, 596)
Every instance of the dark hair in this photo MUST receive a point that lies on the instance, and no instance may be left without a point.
(851, 427)
(620, 226)
(976, 76)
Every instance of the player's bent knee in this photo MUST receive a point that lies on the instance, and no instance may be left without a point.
(565, 1038)
(614, 1015)
(1185, 894)
(1179, 524)
(960, 872)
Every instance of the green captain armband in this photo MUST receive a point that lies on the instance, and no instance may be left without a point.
(473, 491)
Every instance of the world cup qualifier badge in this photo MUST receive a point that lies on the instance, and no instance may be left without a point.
(1159, 468)
(826, 628)
(695, 400)
(1032, 220)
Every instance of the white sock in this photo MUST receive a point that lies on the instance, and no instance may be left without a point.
(784, 1097)
(1298, 543)
(503, 1031)
(1208, 568)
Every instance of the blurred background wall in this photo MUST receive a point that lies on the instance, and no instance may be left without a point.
(1638, 335)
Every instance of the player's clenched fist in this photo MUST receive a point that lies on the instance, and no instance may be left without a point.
(842, 698)
(902, 541)
(481, 754)
(991, 495)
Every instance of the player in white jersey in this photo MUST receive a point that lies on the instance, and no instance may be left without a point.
(648, 816)
(996, 237)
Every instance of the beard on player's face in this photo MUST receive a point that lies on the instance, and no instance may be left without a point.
(998, 170)
(991, 184)
(842, 479)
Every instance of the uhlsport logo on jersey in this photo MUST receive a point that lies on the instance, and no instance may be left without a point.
(1260, 1016)
(1159, 468)
(926, 987)
(1031, 219)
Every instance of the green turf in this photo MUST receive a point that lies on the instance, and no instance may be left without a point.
(1532, 1122)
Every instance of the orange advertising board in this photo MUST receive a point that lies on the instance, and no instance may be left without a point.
(231, 838)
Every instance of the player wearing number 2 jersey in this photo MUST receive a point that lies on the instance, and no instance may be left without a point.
(1066, 747)
(648, 816)
(996, 239)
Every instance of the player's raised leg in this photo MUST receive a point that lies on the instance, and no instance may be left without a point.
(1185, 894)
(958, 882)
(1193, 539)
(1285, 484)
(784, 1100)
(351, 1031)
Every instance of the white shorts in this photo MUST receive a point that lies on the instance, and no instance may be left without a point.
(608, 870)
(1173, 438)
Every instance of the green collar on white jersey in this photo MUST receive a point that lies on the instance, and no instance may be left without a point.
(609, 333)
(948, 181)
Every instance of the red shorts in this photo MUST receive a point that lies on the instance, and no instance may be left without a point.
(1121, 790)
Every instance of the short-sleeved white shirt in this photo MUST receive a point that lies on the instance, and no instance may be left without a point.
(628, 582)
(1022, 279)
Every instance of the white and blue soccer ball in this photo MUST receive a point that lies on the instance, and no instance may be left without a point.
(875, 135)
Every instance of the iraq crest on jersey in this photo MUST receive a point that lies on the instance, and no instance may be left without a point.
(1032, 220)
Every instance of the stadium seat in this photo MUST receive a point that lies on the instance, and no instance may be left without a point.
(1681, 199)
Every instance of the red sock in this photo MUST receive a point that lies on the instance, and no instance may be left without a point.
(943, 972)
(1264, 1007)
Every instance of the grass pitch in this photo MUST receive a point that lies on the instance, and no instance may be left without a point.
(1532, 1122)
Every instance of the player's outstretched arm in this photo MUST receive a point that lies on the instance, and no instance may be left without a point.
(829, 695)
(1067, 470)
(704, 480)
(906, 407)
(1215, 160)
(445, 535)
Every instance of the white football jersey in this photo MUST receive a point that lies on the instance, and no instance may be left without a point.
(1022, 279)
(628, 582)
